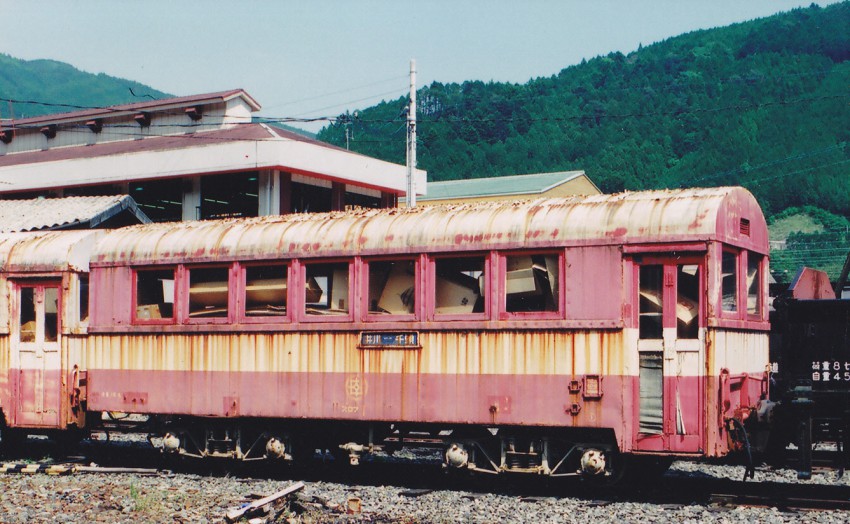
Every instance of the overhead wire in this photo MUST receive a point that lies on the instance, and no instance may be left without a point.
(762, 77)
(334, 93)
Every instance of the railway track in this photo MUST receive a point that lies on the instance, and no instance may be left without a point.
(415, 480)
(785, 497)
(418, 472)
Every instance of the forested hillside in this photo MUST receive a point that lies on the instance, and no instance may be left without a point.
(763, 104)
(32, 82)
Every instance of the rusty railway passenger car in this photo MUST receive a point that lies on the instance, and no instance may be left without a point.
(43, 318)
(547, 337)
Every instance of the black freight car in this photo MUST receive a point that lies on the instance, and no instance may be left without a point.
(810, 357)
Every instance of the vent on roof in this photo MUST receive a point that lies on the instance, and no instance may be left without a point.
(745, 227)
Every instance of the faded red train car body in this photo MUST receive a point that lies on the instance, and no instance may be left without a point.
(630, 324)
(43, 329)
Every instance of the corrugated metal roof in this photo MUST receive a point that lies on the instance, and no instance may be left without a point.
(532, 184)
(47, 250)
(59, 213)
(651, 216)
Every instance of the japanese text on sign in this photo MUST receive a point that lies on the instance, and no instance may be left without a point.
(830, 371)
(407, 339)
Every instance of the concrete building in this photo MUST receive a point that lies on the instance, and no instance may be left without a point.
(515, 187)
(187, 158)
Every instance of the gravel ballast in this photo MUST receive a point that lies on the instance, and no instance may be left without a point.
(206, 498)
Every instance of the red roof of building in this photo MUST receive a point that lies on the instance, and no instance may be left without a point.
(242, 132)
(85, 114)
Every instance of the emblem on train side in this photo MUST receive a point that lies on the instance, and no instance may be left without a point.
(355, 388)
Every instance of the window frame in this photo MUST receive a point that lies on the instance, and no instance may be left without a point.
(242, 289)
(759, 315)
(134, 284)
(83, 298)
(300, 289)
(185, 286)
(737, 312)
(501, 276)
(430, 289)
(368, 315)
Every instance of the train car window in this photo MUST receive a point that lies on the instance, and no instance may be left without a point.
(651, 390)
(326, 289)
(754, 284)
(84, 298)
(51, 314)
(27, 314)
(651, 279)
(154, 294)
(265, 290)
(687, 301)
(729, 285)
(532, 283)
(459, 284)
(392, 287)
(208, 292)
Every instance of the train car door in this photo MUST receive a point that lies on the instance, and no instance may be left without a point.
(671, 353)
(35, 348)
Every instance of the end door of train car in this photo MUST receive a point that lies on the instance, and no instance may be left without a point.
(671, 352)
(35, 352)
(43, 325)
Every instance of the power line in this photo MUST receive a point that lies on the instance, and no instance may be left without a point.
(797, 172)
(346, 90)
(536, 96)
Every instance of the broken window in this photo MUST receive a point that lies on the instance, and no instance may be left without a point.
(729, 270)
(687, 301)
(154, 294)
(754, 284)
(531, 283)
(208, 292)
(459, 285)
(27, 314)
(326, 289)
(51, 314)
(84, 297)
(651, 310)
(265, 290)
(392, 287)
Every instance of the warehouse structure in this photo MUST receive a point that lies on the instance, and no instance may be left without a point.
(188, 158)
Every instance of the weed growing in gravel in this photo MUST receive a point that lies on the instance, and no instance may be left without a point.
(144, 503)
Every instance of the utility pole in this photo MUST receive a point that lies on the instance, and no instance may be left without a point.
(411, 138)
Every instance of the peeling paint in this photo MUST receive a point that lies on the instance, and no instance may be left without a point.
(650, 216)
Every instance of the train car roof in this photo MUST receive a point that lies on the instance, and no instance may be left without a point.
(728, 214)
(47, 251)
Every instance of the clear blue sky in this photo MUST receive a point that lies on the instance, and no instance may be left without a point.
(317, 58)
